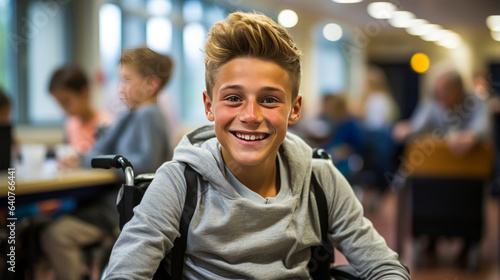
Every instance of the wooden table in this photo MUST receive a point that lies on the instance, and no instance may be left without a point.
(53, 183)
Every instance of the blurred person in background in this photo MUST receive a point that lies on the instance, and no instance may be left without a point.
(5, 108)
(378, 111)
(483, 90)
(10, 145)
(70, 86)
(140, 135)
(462, 119)
(345, 141)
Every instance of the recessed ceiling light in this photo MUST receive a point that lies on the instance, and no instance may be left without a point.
(493, 22)
(495, 35)
(416, 27)
(381, 10)
(288, 18)
(332, 32)
(401, 19)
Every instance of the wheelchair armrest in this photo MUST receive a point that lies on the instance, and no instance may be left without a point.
(344, 272)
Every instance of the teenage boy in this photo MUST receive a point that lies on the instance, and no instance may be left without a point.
(255, 216)
(140, 135)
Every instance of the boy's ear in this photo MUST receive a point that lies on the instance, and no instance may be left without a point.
(208, 106)
(153, 84)
(296, 109)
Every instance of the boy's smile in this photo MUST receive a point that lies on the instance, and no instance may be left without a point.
(251, 106)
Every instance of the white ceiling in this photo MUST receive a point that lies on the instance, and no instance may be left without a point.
(467, 17)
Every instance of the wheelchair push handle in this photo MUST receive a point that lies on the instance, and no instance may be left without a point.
(110, 161)
(115, 161)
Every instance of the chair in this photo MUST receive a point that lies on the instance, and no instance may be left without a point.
(446, 192)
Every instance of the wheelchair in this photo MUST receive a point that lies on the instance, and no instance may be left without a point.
(134, 188)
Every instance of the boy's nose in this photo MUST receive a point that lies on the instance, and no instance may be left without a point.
(251, 113)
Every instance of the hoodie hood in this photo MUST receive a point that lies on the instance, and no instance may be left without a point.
(201, 150)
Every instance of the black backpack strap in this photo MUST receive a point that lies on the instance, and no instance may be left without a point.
(321, 256)
(177, 256)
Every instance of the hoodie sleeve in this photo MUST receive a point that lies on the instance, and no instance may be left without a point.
(351, 233)
(150, 234)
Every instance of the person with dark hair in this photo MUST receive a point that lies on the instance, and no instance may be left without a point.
(5, 108)
(69, 85)
(140, 134)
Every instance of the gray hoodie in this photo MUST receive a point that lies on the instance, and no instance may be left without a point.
(235, 233)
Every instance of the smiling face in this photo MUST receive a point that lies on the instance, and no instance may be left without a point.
(251, 108)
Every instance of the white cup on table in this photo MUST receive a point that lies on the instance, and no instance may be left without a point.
(33, 157)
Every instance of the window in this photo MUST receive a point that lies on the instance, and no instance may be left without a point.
(5, 49)
(37, 42)
(48, 48)
(330, 64)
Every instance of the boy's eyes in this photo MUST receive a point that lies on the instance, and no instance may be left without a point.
(269, 100)
(266, 100)
(233, 98)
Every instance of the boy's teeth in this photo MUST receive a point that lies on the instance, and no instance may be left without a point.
(250, 137)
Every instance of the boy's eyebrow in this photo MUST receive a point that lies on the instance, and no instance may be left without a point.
(225, 87)
(238, 87)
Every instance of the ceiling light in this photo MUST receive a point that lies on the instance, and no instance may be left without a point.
(495, 35)
(401, 19)
(332, 32)
(416, 27)
(288, 18)
(431, 32)
(381, 10)
(493, 22)
(449, 39)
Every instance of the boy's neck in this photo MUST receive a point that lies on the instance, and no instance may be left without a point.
(148, 101)
(263, 180)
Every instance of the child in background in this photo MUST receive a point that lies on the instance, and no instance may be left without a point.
(70, 87)
(5, 108)
(9, 144)
(140, 135)
(346, 140)
(255, 216)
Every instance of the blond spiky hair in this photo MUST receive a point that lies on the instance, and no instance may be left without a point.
(250, 35)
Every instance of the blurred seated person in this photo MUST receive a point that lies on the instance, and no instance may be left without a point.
(5, 109)
(462, 119)
(484, 90)
(345, 141)
(378, 111)
(70, 86)
(140, 135)
(10, 147)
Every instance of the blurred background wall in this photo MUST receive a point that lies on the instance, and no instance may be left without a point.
(338, 40)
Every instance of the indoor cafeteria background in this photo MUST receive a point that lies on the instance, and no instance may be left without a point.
(343, 42)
